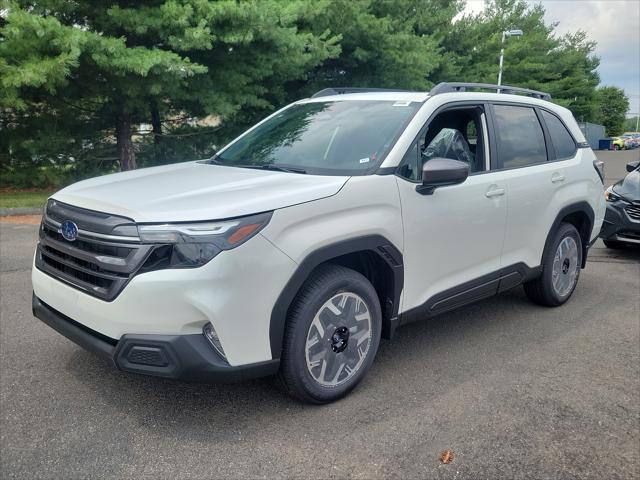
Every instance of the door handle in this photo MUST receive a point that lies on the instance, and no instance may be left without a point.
(557, 177)
(494, 192)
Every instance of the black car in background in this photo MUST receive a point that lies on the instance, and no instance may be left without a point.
(622, 219)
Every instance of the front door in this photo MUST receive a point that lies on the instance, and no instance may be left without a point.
(452, 238)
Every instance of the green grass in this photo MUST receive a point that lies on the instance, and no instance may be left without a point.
(18, 198)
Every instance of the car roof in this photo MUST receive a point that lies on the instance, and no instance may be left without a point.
(407, 96)
(392, 96)
(444, 88)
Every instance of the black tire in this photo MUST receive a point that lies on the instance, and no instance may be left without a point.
(541, 290)
(323, 284)
(613, 244)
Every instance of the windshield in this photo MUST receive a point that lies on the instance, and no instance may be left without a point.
(326, 138)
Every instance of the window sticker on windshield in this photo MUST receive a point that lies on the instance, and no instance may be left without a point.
(401, 104)
(364, 160)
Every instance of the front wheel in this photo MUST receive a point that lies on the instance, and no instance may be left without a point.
(561, 263)
(332, 335)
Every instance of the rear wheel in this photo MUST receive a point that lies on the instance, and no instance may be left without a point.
(561, 263)
(332, 335)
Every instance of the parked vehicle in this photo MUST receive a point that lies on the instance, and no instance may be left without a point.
(622, 219)
(618, 143)
(632, 140)
(625, 142)
(335, 220)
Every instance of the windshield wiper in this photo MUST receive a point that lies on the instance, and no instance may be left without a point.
(215, 160)
(274, 167)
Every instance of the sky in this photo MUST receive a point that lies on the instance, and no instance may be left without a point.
(613, 24)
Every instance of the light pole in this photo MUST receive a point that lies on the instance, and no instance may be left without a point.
(505, 34)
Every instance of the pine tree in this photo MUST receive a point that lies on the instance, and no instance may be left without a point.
(122, 63)
(384, 43)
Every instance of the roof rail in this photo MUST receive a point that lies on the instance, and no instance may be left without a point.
(461, 87)
(342, 90)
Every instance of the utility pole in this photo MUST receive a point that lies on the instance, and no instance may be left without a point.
(505, 34)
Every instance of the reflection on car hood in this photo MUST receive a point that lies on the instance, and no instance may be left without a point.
(629, 186)
(195, 191)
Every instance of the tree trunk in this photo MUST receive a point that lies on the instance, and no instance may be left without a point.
(156, 124)
(126, 153)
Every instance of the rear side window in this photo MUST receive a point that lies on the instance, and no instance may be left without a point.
(562, 140)
(520, 137)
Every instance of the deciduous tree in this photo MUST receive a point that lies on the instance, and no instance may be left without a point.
(563, 66)
(611, 109)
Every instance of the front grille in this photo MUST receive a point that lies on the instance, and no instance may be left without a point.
(633, 211)
(109, 250)
(67, 271)
(101, 261)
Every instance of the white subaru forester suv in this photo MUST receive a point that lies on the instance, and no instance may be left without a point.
(323, 228)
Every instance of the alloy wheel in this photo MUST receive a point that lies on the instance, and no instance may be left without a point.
(565, 267)
(339, 339)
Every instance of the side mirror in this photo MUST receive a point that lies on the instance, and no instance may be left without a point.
(442, 172)
(631, 166)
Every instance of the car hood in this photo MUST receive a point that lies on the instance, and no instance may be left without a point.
(196, 191)
(629, 186)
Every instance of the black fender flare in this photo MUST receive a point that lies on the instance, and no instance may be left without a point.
(578, 207)
(372, 243)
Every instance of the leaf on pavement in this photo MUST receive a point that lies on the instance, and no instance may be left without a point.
(446, 456)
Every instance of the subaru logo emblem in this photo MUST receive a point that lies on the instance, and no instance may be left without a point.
(69, 230)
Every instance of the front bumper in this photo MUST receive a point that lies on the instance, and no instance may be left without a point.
(617, 225)
(230, 292)
(184, 357)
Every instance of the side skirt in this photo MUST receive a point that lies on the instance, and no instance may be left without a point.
(472, 291)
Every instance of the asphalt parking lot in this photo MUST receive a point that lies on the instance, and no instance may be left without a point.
(515, 390)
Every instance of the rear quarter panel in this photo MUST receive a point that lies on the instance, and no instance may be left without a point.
(533, 208)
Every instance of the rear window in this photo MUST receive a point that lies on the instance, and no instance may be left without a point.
(520, 137)
(562, 140)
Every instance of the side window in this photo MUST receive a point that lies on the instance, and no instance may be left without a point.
(455, 134)
(410, 166)
(520, 137)
(562, 140)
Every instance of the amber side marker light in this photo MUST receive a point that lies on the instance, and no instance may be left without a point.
(243, 232)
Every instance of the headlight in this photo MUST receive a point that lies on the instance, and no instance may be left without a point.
(190, 245)
(609, 196)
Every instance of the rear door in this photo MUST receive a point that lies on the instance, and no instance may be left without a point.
(536, 172)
